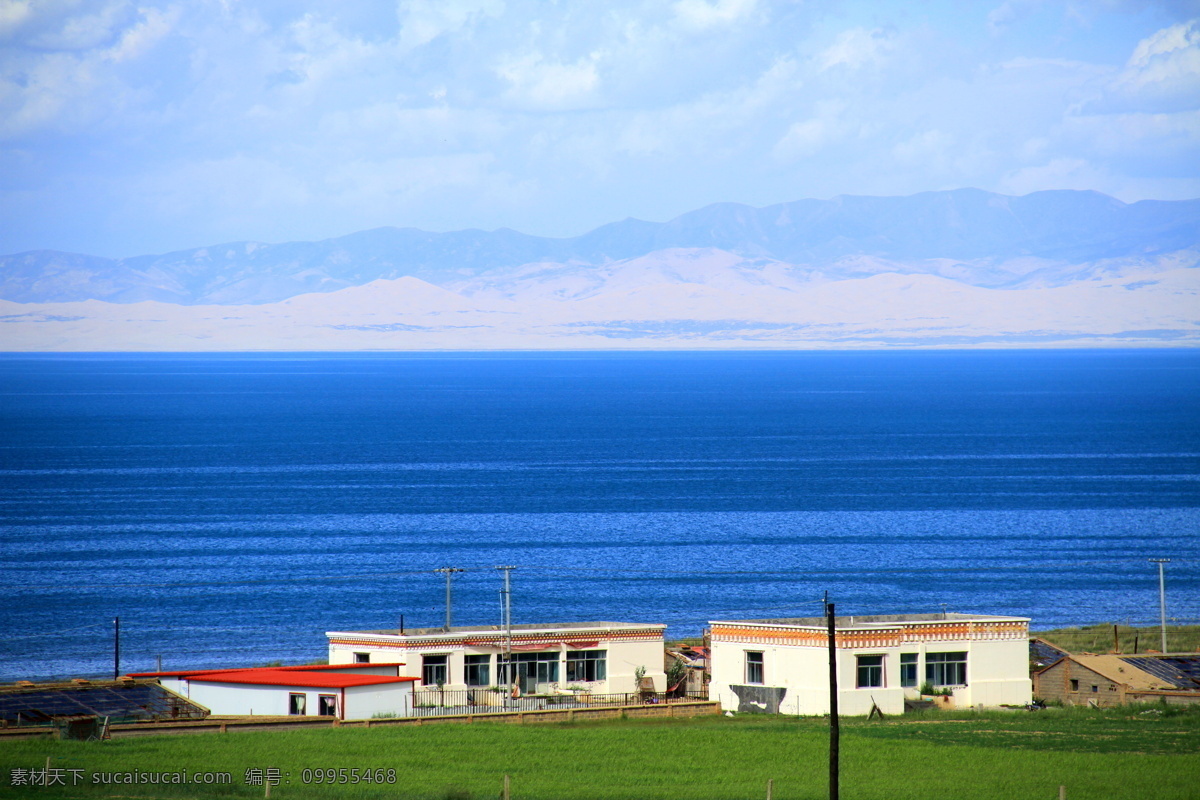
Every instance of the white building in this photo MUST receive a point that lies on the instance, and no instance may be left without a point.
(355, 691)
(782, 665)
(600, 657)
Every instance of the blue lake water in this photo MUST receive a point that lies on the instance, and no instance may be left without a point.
(232, 508)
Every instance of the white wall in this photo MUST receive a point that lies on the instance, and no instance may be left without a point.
(364, 702)
(623, 657)
(997, 674)
(233, 699)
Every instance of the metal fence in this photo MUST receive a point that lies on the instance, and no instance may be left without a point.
(434, 702)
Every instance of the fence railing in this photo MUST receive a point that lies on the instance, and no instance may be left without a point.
(431, 702)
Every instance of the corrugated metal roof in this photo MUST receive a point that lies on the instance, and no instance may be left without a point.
(118, 700)
(1182, 672)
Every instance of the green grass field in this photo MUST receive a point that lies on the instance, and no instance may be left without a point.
(1099, 638)
(1132, 753)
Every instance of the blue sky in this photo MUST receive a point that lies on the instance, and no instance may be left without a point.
(137, 127)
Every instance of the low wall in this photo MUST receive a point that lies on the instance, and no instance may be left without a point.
(240, 724)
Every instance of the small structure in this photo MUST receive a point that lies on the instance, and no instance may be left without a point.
(554, 658)
(782, 665)
(127, 700)
(693, 664)
(354, 691)
(1113, 679)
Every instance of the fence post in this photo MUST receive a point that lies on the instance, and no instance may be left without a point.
(505, 793)
(770, 788)
(1062, 793)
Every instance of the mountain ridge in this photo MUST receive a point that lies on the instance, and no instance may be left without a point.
(1061, 232)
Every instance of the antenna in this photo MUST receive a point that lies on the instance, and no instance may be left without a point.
(449, 571)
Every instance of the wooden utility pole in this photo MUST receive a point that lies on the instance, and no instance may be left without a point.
(834, 732)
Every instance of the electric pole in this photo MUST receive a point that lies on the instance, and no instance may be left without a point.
(116, 647)
(1162, 599)
(449, 571)
(506, 618)
(834, 732)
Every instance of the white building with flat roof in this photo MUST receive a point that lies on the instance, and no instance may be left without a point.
(351, 691)
(600, 657)
(782, 665)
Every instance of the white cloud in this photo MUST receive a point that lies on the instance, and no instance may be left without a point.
(542, 83)
(701, 15)
(153, 27)
(1163, 74)
(14, 14)
(422, 21)
(856, 48)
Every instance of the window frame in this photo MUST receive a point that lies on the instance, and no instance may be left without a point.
(327, 700)
(910, 670)
(944, 671)
(756, 667)
(297, 704)
(477, 669)
(362, 658)
(873, 672)
(587, 666)
(431, 668)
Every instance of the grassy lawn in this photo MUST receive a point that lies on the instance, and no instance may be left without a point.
(1115, 753)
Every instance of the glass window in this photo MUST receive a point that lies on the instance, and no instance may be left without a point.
(530, 669)
(587, 665)
(362, 658)
(478, 670)
(908, 669)
(755, 672)
(297, 704)
(946, 669)
(433, 670)
(1074, 685)
(327, 705)
(870, 671)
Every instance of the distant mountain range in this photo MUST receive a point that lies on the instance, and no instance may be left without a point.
(968, 235)
(956, 268)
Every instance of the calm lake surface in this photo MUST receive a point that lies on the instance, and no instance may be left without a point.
(232, 508)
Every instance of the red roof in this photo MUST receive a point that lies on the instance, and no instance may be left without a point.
(190, 673)
(336, 676)
(280, 677)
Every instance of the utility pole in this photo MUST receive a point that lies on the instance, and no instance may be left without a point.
(834, 732)
(506, 618)
(449, 571)
(1162, 599)
(116, 647)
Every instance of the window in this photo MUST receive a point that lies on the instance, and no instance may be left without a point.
(1074, 685)
(870, 671)
(478, 670)
(327, 705)
(297, 704)
(362, 658)
(531, 669)
(754, 668)
(587, 665)
(1095, 689)
(433, 670)
(946, 669)
(908, 669)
